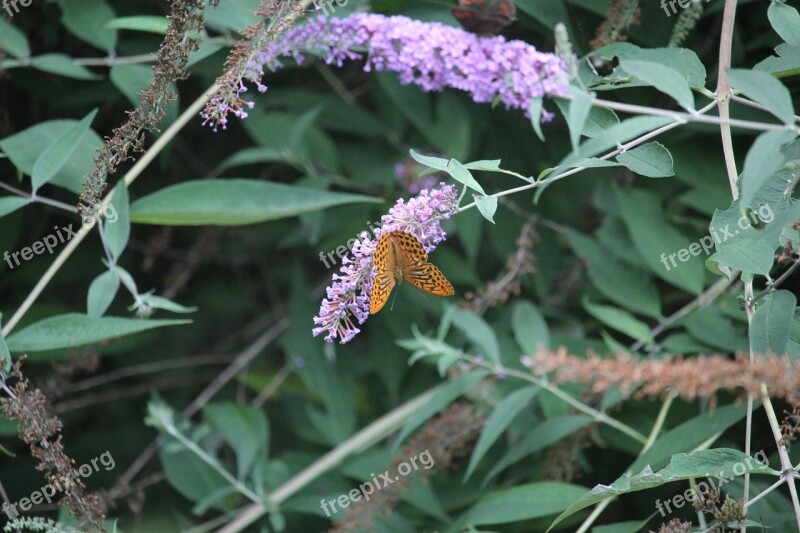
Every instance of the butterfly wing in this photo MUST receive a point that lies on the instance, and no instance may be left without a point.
(483, 17)
(430, 279)
(381, 289)
(382, 283)
(409, 251)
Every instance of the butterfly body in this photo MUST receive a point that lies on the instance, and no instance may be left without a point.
(400, 256)
(485, 17)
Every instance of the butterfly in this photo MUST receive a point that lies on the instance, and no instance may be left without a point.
(485, 17)
(398, 256)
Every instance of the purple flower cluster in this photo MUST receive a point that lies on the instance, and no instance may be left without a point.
(431, 55)
(346, 304)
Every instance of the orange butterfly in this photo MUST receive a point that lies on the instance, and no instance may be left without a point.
(400, 255)
(485, 17)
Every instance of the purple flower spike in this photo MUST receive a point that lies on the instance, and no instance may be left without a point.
(430, 55)
(346, 305)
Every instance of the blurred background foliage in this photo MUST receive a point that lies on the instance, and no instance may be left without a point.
(345, 130)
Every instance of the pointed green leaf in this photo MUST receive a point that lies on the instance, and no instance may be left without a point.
(786, 21)
(772, 323)
(651, 160)
(665, 79)
(13, 40)
(63, 65)
(579, 107)
(702, 463)
(620, 320)
(517, 503)
(101, 293)
(244, 428)
(117, 221)
(530, 328)
(764, 89)
(9, 204)
(233, 202)
(487, 205)
(763, 159)
(59, 152)
(70, 330)
(505, 413)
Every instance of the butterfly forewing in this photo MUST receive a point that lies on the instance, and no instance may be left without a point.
(410, 251)
(383, 282)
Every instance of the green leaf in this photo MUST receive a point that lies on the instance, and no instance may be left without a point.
(57, 154)
(233, 15)
(652, 160)
(658, 242)
(62, 65)
(244, 428)
(682, 60)
(711, 327)
(73, 329)
(117, 226)
(744, 247)
(188, 474)
(682, 466)
(515, 504)
(88, 20)
(535, 110)
(688, 435)
(445, 396)
(148, 23)
(9, 204)
(505, 413)
(787, 62)
(663, 78)
(157, 302)
(766, 90)
(487, 205)
(772, 323)
(625, 285)
(579, 107)
(232, 202)
(13, 40)
(489, 165)
(620, 320)
(479, 332)
(786, 21)
(611, 138)
(101, 293)
(461, 174)
(762, 161)
(530, 329)
(540, 437)
(438, 163)
(25, 147)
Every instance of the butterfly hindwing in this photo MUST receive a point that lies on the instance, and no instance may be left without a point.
(430, 279)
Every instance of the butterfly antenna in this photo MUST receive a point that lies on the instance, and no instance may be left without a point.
(391, 307)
